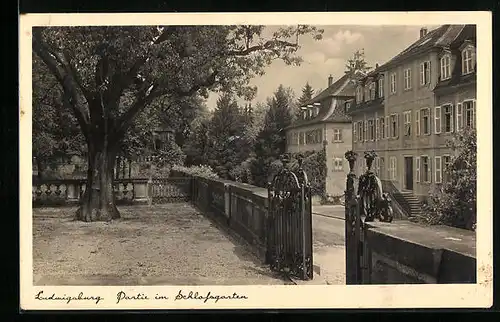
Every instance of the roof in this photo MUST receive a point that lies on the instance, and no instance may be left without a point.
(442, 36)
(329, 110)
(339, 88)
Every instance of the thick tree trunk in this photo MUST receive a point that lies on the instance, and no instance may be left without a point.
(98, 201)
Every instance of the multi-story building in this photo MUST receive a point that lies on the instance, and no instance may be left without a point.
(325, 124)
(407, 109)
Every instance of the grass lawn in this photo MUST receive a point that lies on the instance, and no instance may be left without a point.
(171, 244)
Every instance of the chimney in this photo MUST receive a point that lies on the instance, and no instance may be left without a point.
(376, 65)
(423, 32)
(330, 80)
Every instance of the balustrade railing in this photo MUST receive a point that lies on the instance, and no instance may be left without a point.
(127, 191)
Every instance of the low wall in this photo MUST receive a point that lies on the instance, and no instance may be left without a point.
(403, 252)
(68, 192)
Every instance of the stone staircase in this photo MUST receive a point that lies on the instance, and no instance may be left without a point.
(413, 205)
(405, 203)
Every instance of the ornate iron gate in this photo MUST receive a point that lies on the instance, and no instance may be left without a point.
(365, 205)
(289, 239)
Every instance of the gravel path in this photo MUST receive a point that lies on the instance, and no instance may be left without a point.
(169, 244)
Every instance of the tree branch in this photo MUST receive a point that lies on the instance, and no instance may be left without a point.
(62, 77)
(266, 46)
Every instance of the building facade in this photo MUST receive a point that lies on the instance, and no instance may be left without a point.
(407, 109)
(325, 125)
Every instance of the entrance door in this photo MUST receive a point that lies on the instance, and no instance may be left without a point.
(409, 173)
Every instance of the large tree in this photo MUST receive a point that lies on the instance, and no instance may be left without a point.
(271, 141)
(96, 67)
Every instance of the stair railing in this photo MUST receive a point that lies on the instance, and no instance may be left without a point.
(389, 187)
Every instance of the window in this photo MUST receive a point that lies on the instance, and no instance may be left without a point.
(426, 169)
(446, 164)
(372, 90)
(338, 164)
(371, 130)
(468, 60)
(359, 94)
(354, 132)
(367, 93)
(417, 169)
(445, 67)
(337, 135)
(394, 125)
(469, 110)
(417, 122)
(302, 138)
(376, 167)
(381, 87)
(347, 106)
(448, 118)
(382, 128)
(437, 119)
(426, 121)
(407, 78)
(407, 123)
(392, 168)
(437, 170)
(425, 73)
(460, 120)
(393, 83)
(377, 129)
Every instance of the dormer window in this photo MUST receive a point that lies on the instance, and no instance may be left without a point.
(367, 93)
(359, 94)
(372, 90)
(468, 60)
(381, 87)
(445, 66)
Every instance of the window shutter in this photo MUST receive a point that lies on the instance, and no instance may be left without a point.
(422, 73)
(387, 134)
(428, 72)
(474, 113)
(452, 117)
(365, 131)
(437, 166)
(417, 122)
(417, 169)
(459, 117)
(429, 169)
(377, 125)
(437, 120)
(397, 126)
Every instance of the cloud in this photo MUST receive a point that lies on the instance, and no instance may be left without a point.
(328, 56)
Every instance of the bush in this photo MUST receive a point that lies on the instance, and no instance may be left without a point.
(199, 170)
(453, 203)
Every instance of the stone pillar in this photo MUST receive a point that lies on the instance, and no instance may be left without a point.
(227, 201)
(140, 192)
(73, 192)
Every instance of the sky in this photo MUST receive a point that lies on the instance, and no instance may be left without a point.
(329, 55)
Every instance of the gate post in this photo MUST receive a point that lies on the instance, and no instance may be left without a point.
(350, 223)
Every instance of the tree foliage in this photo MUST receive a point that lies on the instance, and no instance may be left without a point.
(454, 202)
(111, 74)
(357, 63)
(307, 95)
(271, 141)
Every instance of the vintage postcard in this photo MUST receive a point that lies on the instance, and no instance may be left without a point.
(260, 160)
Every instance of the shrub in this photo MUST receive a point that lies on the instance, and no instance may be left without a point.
(453, 203)
(198, 170)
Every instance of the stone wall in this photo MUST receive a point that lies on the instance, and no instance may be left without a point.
(407, 253)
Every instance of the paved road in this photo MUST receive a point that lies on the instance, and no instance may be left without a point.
(329, 250)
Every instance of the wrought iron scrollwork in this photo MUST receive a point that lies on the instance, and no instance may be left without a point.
(373, 202)
(290, 224)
